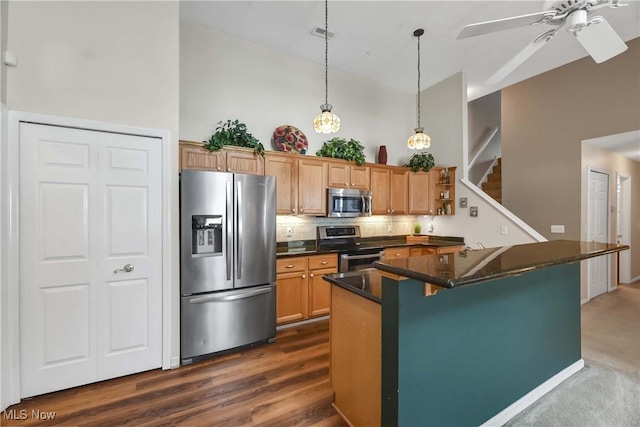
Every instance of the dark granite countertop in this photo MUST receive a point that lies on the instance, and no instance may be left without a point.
(366, 283)
(309, 247)
(474, 266)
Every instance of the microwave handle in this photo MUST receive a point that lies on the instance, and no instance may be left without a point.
(366, 203)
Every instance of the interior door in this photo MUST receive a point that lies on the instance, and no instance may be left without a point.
(598, 221)
(85, 212)
(129, 253)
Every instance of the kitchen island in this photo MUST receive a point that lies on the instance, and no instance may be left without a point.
(457, 339)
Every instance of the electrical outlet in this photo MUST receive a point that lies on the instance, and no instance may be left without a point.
(289, 232)
(389, 228)
(557, 229)
(503, 229)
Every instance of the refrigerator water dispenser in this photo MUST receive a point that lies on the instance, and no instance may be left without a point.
(206, 234)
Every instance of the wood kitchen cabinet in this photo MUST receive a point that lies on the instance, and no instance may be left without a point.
(343, 174)
(420, 199)
(395, 253)
(301, 293)
(389, 190)
(312, 186)
(285, 168)
(194, 156)
(244, 160)
(228, 159)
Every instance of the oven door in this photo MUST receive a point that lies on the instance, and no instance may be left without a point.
(359, 260)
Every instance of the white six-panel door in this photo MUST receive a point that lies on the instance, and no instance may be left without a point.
(598, 221)
(90, 204)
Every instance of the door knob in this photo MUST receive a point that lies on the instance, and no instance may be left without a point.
(128, 268)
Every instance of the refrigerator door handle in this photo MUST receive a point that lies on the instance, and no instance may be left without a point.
(239, 231)
(229, 236)
(216, 298)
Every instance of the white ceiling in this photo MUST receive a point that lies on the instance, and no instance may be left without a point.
(626, 144)
(374, 39)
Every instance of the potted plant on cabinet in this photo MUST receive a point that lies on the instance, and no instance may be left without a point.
(233, 133)
(340, 148)
(420, 161)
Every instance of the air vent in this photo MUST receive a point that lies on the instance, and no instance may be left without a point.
(317, 31)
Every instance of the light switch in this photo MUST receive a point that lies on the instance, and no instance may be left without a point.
(503, 229)
(289, 232)
(557, 229)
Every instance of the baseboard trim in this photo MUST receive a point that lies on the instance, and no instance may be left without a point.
(584, 301)
(521, 404)
(175, 362)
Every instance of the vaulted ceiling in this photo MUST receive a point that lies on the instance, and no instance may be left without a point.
(374, 39)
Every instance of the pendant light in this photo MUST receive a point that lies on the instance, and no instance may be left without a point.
(419, 140)
(326, 122)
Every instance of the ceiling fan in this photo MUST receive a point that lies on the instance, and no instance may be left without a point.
(594, 33)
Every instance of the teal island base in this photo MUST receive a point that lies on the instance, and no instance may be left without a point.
(464, 356)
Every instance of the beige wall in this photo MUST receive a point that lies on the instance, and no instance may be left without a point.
(612, 162)
(109, 61)
(546, 118)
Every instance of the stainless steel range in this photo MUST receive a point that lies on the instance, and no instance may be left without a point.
(345, 239)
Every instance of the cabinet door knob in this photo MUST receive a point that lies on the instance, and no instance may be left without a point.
(293, 210)
(311, 275)
(301, 210)
(304, 276)
(346, 183)
(393, 210)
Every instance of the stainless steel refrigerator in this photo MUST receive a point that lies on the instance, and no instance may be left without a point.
(227, 262)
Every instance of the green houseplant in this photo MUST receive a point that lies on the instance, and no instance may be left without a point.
(233, 133)
(340, 148)
(417, 228)
(420, 161)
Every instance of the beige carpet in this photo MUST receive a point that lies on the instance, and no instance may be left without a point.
(606, 393)
(611, 329)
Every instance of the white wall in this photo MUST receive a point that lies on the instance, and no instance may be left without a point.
(224, 77)
(113, 62)
(445, 117)
(4, 325)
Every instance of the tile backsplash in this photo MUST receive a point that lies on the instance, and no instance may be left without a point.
(304, 227)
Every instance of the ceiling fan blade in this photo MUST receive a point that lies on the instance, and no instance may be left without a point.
(481, 28)
(520, 57)
(601, 41)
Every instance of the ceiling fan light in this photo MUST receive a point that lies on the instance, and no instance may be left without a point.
(326, 122)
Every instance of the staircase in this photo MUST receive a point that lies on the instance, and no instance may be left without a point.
(493, 185)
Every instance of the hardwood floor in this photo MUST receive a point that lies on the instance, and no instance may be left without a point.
(281, 384)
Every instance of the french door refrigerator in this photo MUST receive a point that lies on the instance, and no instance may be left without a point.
(227, 262)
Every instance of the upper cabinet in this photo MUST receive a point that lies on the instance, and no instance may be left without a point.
(229, 159)
(285, 168)
(300, 183)
(432, 193)
(312, 184)
(420, 201)
(389, 190)
(194, 156)
(343, 174)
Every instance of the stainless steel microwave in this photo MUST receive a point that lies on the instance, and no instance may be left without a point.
(347, 203)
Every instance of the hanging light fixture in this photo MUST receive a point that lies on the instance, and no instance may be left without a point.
(326, 122)
(419, 140)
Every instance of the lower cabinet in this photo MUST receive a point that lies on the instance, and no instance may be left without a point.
(394, 253)
(301, 293)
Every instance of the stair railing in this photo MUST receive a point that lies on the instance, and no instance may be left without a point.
(483, 146)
